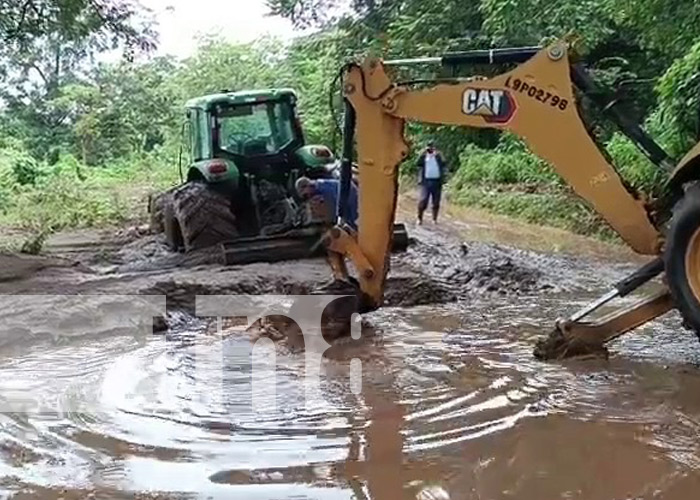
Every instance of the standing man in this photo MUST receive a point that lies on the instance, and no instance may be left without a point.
(431, 170)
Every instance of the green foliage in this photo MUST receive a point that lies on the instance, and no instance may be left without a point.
(303, 12)
(80, 142)
(510, 180)
(554, 209)
(313, 64)
(668, 25)
(108, 21)
(26, 170)
(68, 195)
(218, 65)
(635, 168)
(49, 44)
(429, 27)
(533, 21)
(679, 102)
(509, 163)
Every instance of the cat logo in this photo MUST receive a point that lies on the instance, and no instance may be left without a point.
(495, 106)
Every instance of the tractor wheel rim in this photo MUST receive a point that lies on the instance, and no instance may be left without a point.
(692, 264)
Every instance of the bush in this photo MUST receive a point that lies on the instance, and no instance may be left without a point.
(509, 163)
(510, 180)
(26, 170)
(70, 195)
(676, 118)
(635, 168)
(560, 210)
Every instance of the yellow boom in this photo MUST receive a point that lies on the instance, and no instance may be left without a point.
(536, 101)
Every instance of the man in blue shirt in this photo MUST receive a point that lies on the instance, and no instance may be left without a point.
(431, 170)
(329, 190)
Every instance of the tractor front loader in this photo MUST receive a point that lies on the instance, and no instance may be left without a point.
(538, 101)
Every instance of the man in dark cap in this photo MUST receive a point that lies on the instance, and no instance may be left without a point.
(431, 170)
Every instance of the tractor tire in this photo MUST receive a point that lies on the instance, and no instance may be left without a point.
(682, 258)
(156, 202)
(171, 227)
(155, 213)
(204, 216)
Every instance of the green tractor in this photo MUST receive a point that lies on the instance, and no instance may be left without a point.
(245, 151)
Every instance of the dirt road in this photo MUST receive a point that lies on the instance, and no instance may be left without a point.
(452, 403)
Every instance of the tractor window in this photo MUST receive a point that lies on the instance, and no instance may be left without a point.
(255, 129)
(199, 130)
(204, 128)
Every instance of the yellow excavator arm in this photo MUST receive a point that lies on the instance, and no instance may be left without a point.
(536, 100)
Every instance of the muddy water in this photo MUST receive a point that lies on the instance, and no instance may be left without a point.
(452, 403)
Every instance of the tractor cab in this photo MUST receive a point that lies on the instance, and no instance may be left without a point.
(258, 133)
(262, 128)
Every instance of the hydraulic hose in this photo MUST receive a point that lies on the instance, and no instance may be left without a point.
(346, 160)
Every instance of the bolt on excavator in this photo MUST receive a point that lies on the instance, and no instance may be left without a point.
(538, 100)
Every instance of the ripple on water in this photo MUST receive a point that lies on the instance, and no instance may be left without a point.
(477, 383)
(162, 403)
(175, 413)
(494, 383)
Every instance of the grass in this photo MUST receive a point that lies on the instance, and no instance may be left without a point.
(72, 196)
(37, 200)
(557, 209)
(510, 181)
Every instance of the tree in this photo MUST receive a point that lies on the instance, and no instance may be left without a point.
(49, 44)
(218, 65)
(23, 22)
(122, 109)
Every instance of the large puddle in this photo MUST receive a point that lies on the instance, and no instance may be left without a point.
(452, 405)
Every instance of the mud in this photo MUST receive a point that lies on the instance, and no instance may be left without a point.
(461, 269)
(15, 267)
(556, 346)
(427, 273)
(452, 404)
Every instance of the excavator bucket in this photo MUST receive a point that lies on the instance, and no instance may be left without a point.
(296, 244)
(584, 338)
(579, 336)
